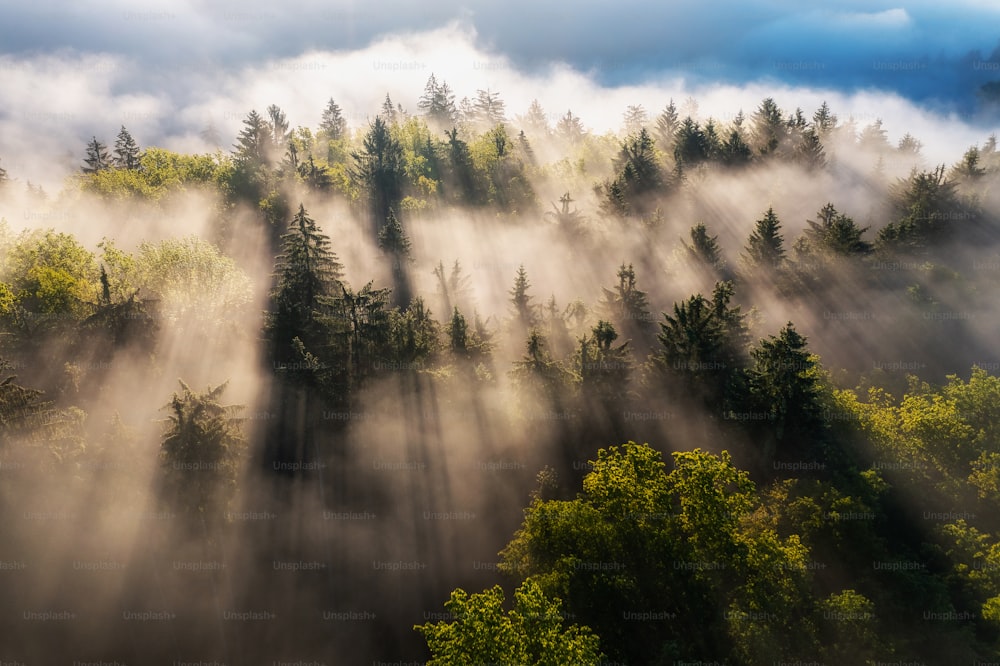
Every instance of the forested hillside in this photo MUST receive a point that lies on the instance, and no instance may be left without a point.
(468, 384)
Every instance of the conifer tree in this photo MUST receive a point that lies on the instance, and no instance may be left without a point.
(200, 452)
(97, 158)
(525, 312)
(333, 124)
(438, 103)
(126, 151)
(667, 124)
(765, 246)
(307, 275)
(379, 168)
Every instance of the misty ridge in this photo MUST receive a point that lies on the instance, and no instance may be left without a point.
(710, 389)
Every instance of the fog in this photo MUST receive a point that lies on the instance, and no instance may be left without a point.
(333, 554)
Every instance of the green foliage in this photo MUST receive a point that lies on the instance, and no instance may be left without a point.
(703, 344)
(785, 386)
(380, 168)
(49, 279)
(190, 277)
(200, 453)
(307, 275)
(765, 250)
(532, 632)
(637, 180)
(686, 543)
(924, 208)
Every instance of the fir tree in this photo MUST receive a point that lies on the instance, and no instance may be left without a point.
(333, 124)
(97, 158)
(126, 151)
(438, 103)
(524, 311)
(667, 124)
(765, 246)
(307, 275)
(379, 168)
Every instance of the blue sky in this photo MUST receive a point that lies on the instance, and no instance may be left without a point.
(923, 51)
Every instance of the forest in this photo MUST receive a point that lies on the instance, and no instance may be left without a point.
(458, 385)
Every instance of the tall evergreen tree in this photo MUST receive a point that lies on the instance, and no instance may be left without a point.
(638, 179)
(535, 121)
(127, 151)
(627, 306)
(253, 144)
(785, 386)
(393, 241)
(768, 127)
(836, 233)
(570, 128)
(438, 104)
(97, 158)
(824, 121)
(307, 275)
(525, 312)
(488, 108)
(390, 114)
(703, 345)
(691, 146)
(635, 119)
(704, 251)
(667, 124)
(379, 168)
(333, 124)
(765, 246)
(200, 452)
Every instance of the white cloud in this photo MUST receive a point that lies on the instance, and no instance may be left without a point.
(56, 102)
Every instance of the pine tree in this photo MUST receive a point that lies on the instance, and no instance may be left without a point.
(909, 145)
(734, 151)
(253, 148)
(635, 119)
(809, 151)
(279, 126)
(704, 250)
(453, 288)
(968, 168)
(628, 306)
(379, 168)
(638, 178)
(784, 385)
(824, 121)
(667, 124)
(765, 246)
(768, 127)
(458, 333)
(126, 151)
(307, 275)
(690, 144)
(524, 311)
(536, 121)
(569, 128)
(703, 344)
(459, 180)
(488, 108)
(873, 137)
(836, 233)
(3, 176)
(392, 238)
(438, 104)
(97, 158)
(333, 124)
(200, 454)
(390, 114)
